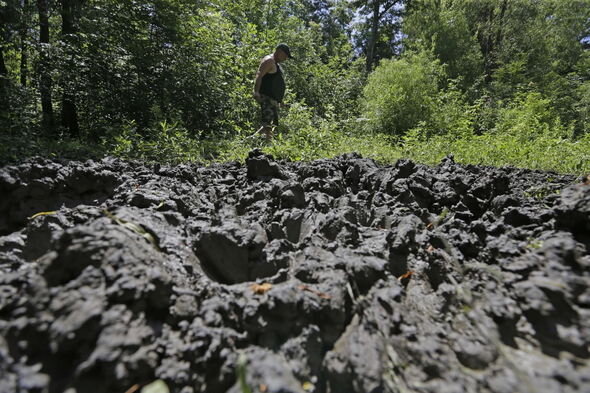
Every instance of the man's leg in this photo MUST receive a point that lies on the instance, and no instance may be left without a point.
(269, 117)
(266, 131)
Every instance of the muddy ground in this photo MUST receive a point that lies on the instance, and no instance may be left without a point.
(334, 276)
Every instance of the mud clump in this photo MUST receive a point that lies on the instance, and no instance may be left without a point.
(333, 276)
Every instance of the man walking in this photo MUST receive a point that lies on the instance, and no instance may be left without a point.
(269, 88)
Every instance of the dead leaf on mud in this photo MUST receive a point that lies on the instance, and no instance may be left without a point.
(429, 249)
(320, 294)
(308, 386)
(42, 214)
(406, 276)
(586, 180)
(263, 388)
(261, 289)
(133, 389)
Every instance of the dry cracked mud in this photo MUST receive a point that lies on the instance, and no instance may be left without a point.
(332, 276)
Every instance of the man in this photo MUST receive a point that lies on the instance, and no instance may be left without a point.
(269, 88)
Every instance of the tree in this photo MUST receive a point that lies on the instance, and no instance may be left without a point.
(69, 114)
(333, 19)
(401, 93)
(445, 28)
(375, 13)
(4, 40)
(498, 49)
(24, 50)
(45, 81)
(3, 84)
(3, 69)
(491, 15)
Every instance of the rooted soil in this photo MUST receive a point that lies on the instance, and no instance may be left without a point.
(332, 276)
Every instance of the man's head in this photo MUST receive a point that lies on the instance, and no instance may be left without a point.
(282, 52)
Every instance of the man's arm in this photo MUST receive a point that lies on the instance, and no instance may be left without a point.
(263, 69)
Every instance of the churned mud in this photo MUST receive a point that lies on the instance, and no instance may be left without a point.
(334, 276)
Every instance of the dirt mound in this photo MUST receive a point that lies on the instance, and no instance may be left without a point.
(333, 276)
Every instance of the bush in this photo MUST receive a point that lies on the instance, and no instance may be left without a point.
(402, 93)
(528, 134)
(529, 116)
(450, 116)
(304, 136)
(165, 143)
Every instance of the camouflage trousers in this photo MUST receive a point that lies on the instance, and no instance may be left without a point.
(269, 110)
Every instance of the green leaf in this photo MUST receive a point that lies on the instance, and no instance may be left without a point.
(241, 371)
(158, 386)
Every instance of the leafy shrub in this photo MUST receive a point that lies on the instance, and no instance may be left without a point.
(450, 115)
(545, 152)
(401, 93)
(528, 135)
(529, 116)
(304, 136)
(167, 143)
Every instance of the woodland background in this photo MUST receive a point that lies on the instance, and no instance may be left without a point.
(494, 82)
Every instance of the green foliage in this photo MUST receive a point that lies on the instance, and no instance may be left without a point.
(450, 116)
(304, 136)
(168, 143)
(509, 77)
(402, 93)
(446, 30)
(131, 66)
(330, 85)
(154, 62)
(499, 48)
(528, 136)
(582, 107)
(513, 85)
(530, 116)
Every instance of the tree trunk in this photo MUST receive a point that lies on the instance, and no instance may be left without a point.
(3, 73)
(69, 114)
(24, 65)
(24, 55)
(373, 36)
(3, 84)
(493, 41)
(3, 70)
(487, 43)
(45, 83)
(499, 34)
